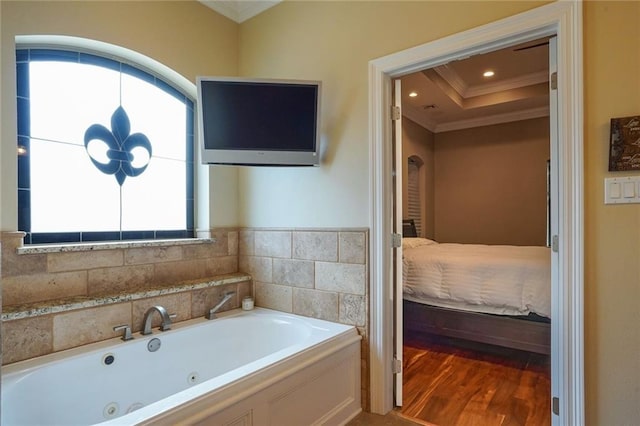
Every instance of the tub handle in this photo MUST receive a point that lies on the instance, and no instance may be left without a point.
(127, 331)
(168, 326)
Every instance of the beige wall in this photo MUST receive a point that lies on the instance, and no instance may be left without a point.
(485, 185)
(334, 41)
(612, 232)
(418, 141)
(183, 35)
(491, 184)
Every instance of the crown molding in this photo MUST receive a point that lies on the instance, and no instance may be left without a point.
(512, 83)
(493, 119)
(452, 77)
(449, 75)
(237, 10)
(414, 114)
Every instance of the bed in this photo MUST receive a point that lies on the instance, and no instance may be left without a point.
(487, 293)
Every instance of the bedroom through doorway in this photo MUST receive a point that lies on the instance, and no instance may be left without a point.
(476, 256)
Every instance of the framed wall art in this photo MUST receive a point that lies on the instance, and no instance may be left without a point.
(624, 144)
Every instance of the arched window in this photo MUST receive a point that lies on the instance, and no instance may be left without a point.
(414, 201)
(105, 150)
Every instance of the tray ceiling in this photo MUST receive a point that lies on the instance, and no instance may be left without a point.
(457, 95)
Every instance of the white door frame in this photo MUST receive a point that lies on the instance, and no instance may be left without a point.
(564, 19)
(397, 281)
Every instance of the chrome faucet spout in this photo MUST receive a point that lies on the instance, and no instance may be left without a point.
(148, 316)
(211, 314)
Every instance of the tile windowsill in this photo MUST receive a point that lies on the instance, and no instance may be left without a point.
(110, 245)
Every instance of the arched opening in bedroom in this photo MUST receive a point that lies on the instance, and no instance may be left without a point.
(415, 203)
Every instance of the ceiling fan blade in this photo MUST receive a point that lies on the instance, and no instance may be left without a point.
(531, 47)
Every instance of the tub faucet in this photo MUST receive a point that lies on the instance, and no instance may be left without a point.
(211, 314)
(166, 319)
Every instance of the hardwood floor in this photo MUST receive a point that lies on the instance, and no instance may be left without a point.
(452, 382)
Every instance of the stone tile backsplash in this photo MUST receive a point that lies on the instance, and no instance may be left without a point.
(77, 328)
(292, 272)
(313, 273)
(27, 338)
(272, 244)
(45, 277)
(312, 245)
(341, 277)
(353, 247)
(38, 277)
(272, 296)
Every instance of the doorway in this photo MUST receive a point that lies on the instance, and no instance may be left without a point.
(563, 19)
(485, 140)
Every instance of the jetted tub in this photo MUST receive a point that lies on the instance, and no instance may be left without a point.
(245, 367)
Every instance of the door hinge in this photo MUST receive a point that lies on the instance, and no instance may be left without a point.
(555, 403)
(397, 366)
(553, 81)
(555, 244)
(395, 112)
(396, 240)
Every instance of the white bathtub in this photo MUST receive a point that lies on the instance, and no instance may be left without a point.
(255, 367)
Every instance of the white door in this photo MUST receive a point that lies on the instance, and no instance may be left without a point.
(554, 216)
(397, 229)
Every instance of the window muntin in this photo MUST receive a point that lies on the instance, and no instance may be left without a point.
(64, 195)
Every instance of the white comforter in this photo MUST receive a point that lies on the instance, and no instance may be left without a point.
(507, 280)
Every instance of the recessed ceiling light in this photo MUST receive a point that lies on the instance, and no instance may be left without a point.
(413, 94)
(489, 73)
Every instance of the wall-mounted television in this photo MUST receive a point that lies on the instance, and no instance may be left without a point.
(259, 122)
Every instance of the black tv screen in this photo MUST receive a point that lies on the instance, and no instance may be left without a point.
(258, 122)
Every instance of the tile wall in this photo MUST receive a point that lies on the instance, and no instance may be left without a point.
(316, 273)
(38, 282)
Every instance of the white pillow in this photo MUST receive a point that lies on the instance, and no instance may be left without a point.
(408, 243)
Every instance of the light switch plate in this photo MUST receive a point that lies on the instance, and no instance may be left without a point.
(628, 189)
(624, 190)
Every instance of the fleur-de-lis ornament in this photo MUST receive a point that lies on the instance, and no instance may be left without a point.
(120, 146)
